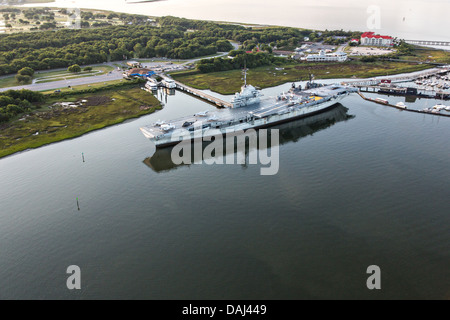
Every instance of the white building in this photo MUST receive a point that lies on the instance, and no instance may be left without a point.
(327, 57)
(372, 39)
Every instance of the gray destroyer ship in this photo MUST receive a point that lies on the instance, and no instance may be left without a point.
(248, 111)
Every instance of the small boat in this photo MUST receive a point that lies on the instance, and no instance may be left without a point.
(401, 105)
(380, 100)
(439, 107)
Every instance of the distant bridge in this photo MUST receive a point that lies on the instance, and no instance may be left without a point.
(429, 43)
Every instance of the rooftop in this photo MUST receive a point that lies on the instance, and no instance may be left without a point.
(373, 35)
(139, 71)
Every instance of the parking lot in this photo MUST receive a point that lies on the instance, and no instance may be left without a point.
(369, 51)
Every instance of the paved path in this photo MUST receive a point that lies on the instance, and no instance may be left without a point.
(114, 75)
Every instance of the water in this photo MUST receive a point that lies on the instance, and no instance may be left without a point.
(360, 185)
(421, 20)
(363, 184)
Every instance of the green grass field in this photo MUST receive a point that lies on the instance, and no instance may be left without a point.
(229, 82)
(103, 109)
(60, 75)
(8, 82)
(50, 76)
(429, 55)
(86, 86)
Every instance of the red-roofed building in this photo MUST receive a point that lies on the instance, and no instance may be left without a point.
(372, 39)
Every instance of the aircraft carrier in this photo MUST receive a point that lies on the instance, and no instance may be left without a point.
(248, 111)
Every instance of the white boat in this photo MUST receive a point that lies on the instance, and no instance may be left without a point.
(151, 85)
(381, 100)
(169, 83)
(439, 107)
(401, 105)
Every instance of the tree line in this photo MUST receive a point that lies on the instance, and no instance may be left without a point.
(63, 48)
(173, 37)
(238, 59)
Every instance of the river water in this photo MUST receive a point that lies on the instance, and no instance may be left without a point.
(407, 19)
(360, 185)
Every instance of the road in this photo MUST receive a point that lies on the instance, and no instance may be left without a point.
(114, 75)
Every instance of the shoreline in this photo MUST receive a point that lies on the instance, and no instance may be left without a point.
(123, 121)
(160, 9)
(136, 116)
(77, 124)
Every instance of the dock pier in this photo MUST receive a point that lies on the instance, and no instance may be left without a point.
(202, 95)
(403, 109)
(399, 78)
(173, 84)
(404, 91)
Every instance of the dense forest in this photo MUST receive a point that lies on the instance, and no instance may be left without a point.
(62, 48)
(169, 37)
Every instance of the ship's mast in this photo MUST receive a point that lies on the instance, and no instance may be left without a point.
(245, 74)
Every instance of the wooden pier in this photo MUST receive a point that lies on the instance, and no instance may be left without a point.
(202, 95)
(195, 92)
(403, 109)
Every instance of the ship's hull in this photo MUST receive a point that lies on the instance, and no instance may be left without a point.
(177, 136)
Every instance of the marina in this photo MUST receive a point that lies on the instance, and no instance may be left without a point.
(406, 91)
(400, 78)
(432, 111)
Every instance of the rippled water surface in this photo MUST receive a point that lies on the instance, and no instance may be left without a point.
(360, 185)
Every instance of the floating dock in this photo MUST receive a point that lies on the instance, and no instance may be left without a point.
(404, 91)
(401, 108)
